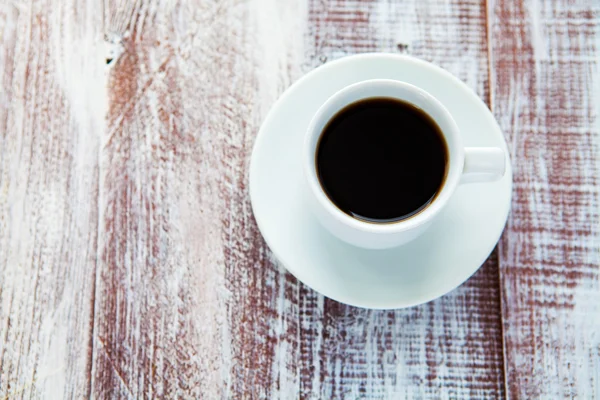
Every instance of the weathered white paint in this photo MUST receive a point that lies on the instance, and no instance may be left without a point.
(51, 118)
(130, 263)
(545, 71)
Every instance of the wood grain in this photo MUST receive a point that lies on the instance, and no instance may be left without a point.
(51, 76)
(188, 302)
(545, 59)
(130, 262)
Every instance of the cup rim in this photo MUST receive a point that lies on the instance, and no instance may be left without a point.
(455, 155)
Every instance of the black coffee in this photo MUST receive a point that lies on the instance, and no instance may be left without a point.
(381, 160)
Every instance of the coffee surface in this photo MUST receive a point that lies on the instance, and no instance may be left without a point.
(381, 160)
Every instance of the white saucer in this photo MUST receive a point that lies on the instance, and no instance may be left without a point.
(432, 265)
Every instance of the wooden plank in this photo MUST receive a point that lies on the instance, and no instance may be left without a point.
(51, 118)
(189, 303)
(545, 59)
(450, 348)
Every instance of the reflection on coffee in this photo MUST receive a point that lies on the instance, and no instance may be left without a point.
(381, 160)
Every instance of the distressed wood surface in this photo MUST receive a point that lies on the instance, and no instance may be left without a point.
(130, 262)
(546, 96)
(51, 119)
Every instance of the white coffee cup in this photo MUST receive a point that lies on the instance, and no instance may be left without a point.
(465, 165)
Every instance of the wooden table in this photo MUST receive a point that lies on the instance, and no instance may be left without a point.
(130, 262)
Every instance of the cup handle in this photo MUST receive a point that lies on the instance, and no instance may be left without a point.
(483, 164)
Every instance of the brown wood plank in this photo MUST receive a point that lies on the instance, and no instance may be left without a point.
(51, 119)
(545, 63)
(452, 347)
(189, 303)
